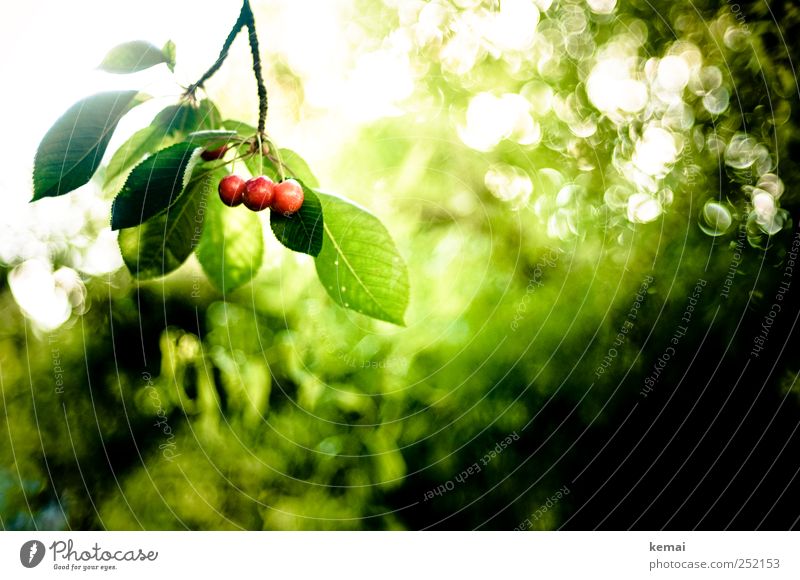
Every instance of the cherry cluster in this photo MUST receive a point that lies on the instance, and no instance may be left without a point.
(260, 193)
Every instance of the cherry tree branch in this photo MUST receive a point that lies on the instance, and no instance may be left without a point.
(245, 19)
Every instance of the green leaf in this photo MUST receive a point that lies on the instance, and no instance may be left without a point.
(207, 116)
(303, 231)
(173, 124)
(210, 139)
(154, 185)
(242, 128)
(359, 265)
(258, 165)
(186, 118)
(174, 118)
(162, 244)
(133, 56)
(294, 166)
(232, 246)
(73, 148)
(141, 143)
(297, 167)
(169, 53)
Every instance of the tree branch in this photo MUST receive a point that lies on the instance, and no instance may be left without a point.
(246, 19)
(263, 103)
(244, 14)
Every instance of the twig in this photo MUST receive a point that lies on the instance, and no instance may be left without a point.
(263, 103)
(245, 19)
(223, 54)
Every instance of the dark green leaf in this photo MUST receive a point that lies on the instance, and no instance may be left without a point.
(72, 149)
(162, 244)
(303, 231)
(359, 265)
(154, 185)
(187, 118)
(232, 247)
(133, 56)
(174, 117)
(173, 124)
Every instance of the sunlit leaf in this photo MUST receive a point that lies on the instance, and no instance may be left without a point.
(297, 167)
(232, 246)
(73, 148)
(359, 265)
(169, 53)
(243, 129)
(211, 138)
(258, 165)
(134, 56)
(294, 166)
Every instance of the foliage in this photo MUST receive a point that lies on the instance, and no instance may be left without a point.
(159, 175)
(266, 406)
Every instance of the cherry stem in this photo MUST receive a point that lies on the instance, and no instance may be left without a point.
(212, 169)
(278, 161)
(245, 19)
(260, 155)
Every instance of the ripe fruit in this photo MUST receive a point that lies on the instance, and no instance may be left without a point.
(231, 190)
(288, 197)
(214, 154)
(258, 193)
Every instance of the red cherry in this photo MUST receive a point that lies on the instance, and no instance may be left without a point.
(258, 193)
(214, 154)
(231, 190)
(288, 197)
